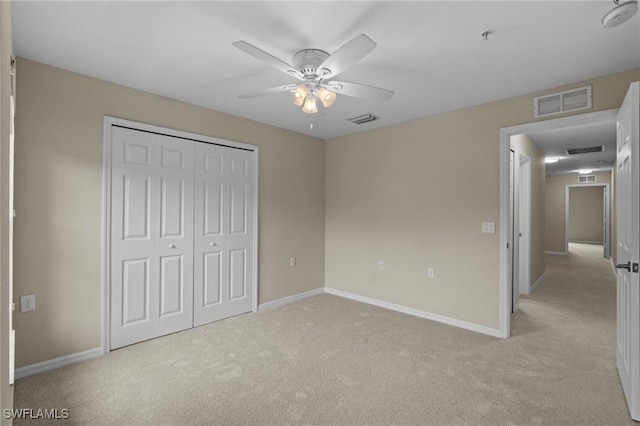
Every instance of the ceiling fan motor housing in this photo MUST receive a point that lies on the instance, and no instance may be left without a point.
(308, 60)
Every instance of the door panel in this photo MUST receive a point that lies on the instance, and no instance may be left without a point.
(136, 207)
(135, 291)
(151, 236)
(171, 285)
(238, 209)
(172, 206)
(223, 232)
(212, 279)
(238, 269)
(212, 208)
(628, 207)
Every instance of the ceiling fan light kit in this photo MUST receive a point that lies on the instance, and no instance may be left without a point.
(316, 68)
(620, 14)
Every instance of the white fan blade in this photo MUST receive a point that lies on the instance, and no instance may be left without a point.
(357, 90)
(346, 56)
(268, 59)
(271, 91)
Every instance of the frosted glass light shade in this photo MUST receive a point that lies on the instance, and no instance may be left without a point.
(301, 93)
(310, 106)
(326, 96)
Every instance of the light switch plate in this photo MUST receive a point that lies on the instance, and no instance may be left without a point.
(488, 227)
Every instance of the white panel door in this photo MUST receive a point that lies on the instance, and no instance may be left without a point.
(223, 232)
(151, 236)
(628, 293)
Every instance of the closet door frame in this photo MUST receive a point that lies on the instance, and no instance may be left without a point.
(108, 124)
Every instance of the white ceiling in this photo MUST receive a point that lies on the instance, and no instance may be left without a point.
(430, 53)
(554, 143)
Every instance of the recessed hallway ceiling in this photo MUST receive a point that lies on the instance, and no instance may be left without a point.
(430, 54)
(555, 143)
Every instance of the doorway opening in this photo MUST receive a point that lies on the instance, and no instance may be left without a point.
(587, 212)
(543, 231)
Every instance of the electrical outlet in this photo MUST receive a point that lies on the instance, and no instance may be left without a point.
(292, 261)
(431, 273)
(381, 265)
(28, 303)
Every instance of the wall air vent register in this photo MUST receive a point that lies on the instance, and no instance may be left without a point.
(557, 103)
(361, 119)
(587, 179)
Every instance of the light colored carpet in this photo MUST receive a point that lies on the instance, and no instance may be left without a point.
(327, 360)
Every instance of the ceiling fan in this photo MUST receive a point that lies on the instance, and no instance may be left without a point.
(316, 69)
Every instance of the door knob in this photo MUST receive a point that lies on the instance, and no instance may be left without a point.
(212, 244)
(626, 266)
(172, 246)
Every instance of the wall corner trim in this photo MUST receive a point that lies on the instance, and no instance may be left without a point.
(537, 283)
(41, 367)
(285, 300)
(416, 312)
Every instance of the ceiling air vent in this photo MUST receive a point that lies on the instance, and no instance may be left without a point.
(361, 119)
(587, 150)
(586, 179)
(557, 103)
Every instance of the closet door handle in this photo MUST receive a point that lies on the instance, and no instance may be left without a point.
(172, 246)
(212, 244)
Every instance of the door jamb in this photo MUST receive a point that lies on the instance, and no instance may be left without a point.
(108, 124)
(607, 210)
(504, 306)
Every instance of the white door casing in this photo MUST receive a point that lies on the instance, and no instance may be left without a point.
(628, 231)
(151, 236)
(223, 262)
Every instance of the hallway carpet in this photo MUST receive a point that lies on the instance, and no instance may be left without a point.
(331, 361)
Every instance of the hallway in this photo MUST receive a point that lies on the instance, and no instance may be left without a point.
(571, 319)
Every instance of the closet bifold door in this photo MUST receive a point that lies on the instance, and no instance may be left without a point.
(223, 232)
(151, 236)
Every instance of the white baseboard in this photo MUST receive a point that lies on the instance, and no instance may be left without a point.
(41, 367)
(558, 253)
(280, 302)
(416, 312)
(537, 283)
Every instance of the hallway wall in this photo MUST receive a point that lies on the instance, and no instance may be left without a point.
(524, 143)
(585, 214)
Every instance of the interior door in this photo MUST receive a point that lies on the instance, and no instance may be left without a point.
(151, 236)
(223, 232)
(628, 292)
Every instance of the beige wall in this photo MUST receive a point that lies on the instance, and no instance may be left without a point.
(537, 215)
(6, 50)
(59, 201)
(586, 215)
(555, 207)
(415, 194)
